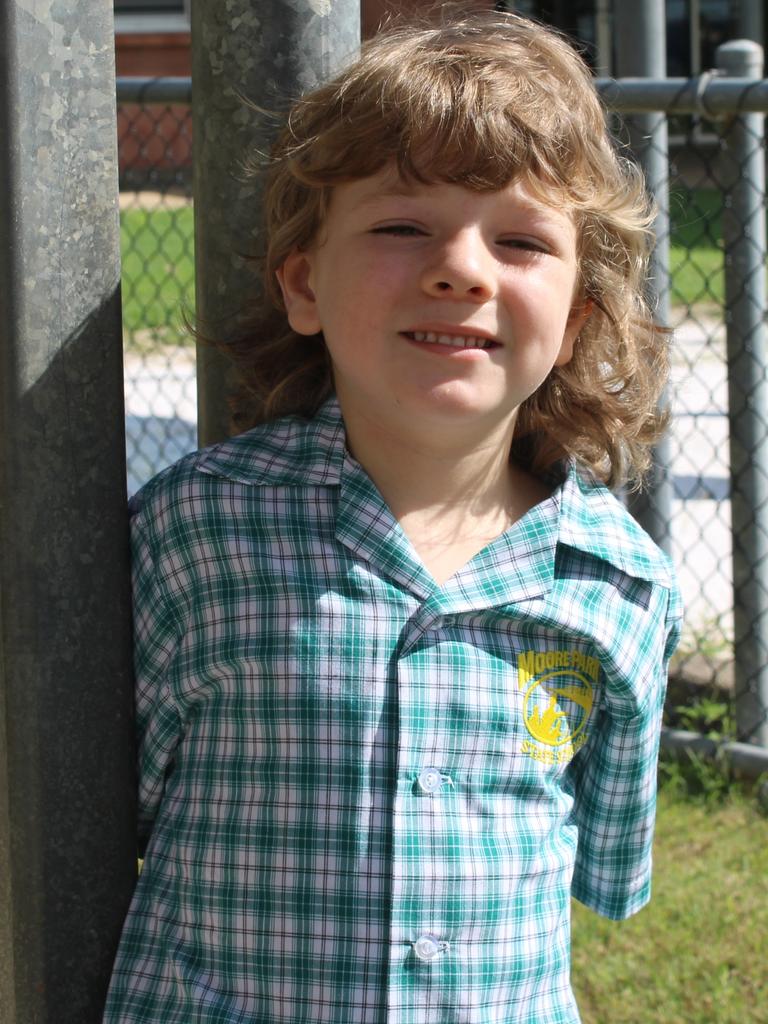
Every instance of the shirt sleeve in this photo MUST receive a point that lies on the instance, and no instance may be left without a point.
(615, 794)
(157, 634)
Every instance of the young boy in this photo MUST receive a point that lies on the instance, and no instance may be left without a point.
(400, 655)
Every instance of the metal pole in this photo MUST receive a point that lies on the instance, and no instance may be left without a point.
(717, 96)
(67, 836)
(264, 53)
(694, 36)
(742, 171)
(751, 20)
(603, 38)
(641, 51)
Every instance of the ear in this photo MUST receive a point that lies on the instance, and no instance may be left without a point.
(295, 280)
(576, 319)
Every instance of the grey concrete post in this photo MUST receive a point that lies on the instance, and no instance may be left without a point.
(265, 53)
(742, 173)
(67, 838)
(641, 52)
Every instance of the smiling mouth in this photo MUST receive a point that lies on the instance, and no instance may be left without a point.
(451, 340)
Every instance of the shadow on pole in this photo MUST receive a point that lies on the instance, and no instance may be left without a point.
(67, 847)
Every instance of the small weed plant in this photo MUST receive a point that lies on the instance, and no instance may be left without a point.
(697, 778)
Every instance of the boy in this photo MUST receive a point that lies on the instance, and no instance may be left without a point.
(400, 657)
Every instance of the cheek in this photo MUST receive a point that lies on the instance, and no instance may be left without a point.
(360, 296)
(345, 331)
(346, 322)
(535, 305)
(550, 304)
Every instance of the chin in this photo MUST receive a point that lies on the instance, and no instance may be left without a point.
(455, 400)
(451, 411)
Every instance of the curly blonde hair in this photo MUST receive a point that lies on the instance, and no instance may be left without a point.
(478, 100)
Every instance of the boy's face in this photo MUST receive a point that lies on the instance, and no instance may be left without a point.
(442, 308)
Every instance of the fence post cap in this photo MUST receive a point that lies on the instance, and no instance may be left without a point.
(740, 58)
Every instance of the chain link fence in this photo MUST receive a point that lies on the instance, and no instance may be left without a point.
(711, 214)
(712, 220)
(154, 123)
(701, 521)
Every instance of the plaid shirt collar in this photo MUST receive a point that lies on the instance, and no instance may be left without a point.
(314, 453)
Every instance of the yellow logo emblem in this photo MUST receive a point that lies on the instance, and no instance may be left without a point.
(549, 723)
(559, 695)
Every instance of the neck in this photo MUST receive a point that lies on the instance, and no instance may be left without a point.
(426, 469)
(451, 494)
(440, 474)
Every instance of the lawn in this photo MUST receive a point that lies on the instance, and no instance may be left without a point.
(697, 953)
(158, 271)
(158, 261)
(695, 251)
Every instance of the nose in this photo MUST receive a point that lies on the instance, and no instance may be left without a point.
(462, 268)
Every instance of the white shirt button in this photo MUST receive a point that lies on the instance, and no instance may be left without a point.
(426, 947)
(430, 780)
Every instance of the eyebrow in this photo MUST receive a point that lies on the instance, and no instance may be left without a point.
(396, 191)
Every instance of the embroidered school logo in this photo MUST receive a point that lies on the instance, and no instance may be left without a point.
(559, 693)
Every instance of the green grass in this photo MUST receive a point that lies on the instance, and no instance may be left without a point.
(158, 271)
(696, 254)
(697, 953)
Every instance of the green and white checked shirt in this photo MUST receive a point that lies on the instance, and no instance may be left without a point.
(369, 798)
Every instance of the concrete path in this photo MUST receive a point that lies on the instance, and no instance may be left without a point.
(701, 536)
(160, 411)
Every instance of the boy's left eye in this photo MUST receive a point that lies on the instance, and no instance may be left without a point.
(526, 244)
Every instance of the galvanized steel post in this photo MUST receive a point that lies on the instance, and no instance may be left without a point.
(750, 20)
(641, 52)
(67, 836)
(742, 171)
(247, 60)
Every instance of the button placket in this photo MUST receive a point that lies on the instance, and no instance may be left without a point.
(420, 733)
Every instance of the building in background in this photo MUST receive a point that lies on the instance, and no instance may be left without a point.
(153, 40)
(153, 35)
(695, 28)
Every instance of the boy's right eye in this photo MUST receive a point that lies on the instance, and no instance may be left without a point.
(401, 230)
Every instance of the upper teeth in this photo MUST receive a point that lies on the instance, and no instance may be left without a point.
(456, 340)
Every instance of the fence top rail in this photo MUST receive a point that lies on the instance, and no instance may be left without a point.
(154, 90)
(708, 95)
